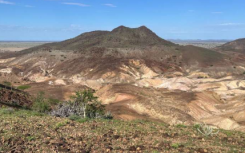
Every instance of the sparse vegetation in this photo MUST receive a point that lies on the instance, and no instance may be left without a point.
(23, 87)
(29, 131)
(84, 104)
(207, 130)
(6, 83)
(181, 126)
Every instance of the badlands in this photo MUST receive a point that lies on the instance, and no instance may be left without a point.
(139, 75)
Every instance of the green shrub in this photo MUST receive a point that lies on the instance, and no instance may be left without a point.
(84, 104)
(52, 101)
(23, 87)
(181, 126)
(40, 104)
(61, 124)
(175, 145)
(6, 83)
(197, 126)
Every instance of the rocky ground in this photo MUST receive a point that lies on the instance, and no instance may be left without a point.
(27, 131)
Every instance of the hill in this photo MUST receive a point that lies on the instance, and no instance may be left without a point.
(234, 46)
(120, 37)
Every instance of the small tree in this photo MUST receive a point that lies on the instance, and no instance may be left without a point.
(88, 102)
(83, 104)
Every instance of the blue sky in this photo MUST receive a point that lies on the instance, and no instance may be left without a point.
(170, 19)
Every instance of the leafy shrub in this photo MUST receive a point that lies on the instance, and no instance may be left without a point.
(175, 145)
(84, 104)
(40, 104)
(53, 101)
(23, 87)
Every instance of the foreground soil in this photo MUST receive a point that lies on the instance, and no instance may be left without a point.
(27, 131)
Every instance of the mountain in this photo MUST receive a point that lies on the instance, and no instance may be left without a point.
(124, 42)
(120, 37)
(234, 46)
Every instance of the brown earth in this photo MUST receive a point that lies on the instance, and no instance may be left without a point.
(14, 98)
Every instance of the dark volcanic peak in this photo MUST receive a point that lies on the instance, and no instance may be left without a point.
(124, 36)
(120, 37)
(234, 46)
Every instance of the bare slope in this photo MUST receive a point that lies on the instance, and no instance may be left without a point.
(234, 46)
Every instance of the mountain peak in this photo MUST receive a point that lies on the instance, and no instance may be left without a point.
(120, 29)
(143, 28)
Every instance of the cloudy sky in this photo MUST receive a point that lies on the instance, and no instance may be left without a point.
(170, 19)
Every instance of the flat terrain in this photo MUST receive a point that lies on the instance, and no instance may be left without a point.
(202, 43)
(27, 131)
(18, 45)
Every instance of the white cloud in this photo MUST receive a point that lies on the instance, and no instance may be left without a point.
(6, 2)
(110, 5)
(77, 4)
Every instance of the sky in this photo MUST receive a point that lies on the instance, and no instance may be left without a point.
(55, 20)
